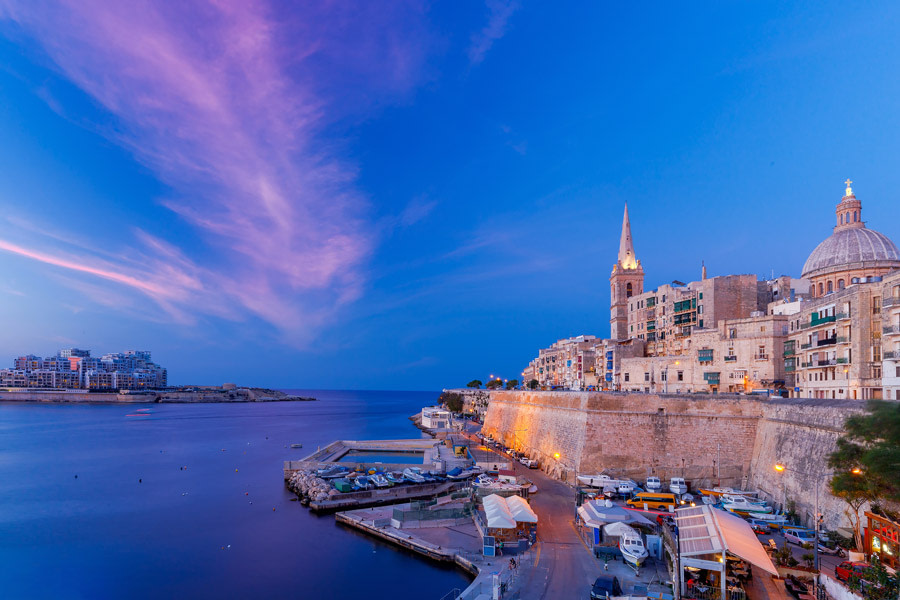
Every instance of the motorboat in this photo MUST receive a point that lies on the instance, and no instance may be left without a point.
(380, 481)
(741, 505)
(458, 473)
(775, 520)
(362, 482)
(597, 481)
(413, 474)
(653, 484)
(625, 488)
(678, 486)
(394, 477)
(332, 472)
(720, 491)
(632, 545)
(730, 498)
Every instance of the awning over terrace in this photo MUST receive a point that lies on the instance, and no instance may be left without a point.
(704, 530)
(520, 510)
(497, 513)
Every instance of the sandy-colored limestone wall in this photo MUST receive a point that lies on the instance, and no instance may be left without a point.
(800, 435)
(631, 434)
(734, 441)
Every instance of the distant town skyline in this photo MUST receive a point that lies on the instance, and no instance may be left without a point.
(413, 197)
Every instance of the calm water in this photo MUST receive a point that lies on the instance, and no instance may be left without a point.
(135, 524)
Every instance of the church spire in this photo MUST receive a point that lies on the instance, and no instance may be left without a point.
(626, 247)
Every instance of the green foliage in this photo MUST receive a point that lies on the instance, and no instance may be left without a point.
(475, 384)
(452, 400)
(512, 384)
(782, 556)
(493, 384)
(810, 559)
(871, 446)
(876, 583)
(533, 384)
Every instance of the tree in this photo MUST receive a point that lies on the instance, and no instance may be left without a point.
(452, 400)
(493, 384)
(511, 384)
(475, 384)
(533, 384)
(867, 460)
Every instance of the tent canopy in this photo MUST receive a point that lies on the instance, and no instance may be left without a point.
(617, 529)
(706, 530)
(597, 513)
(520, 510)
(498, 515)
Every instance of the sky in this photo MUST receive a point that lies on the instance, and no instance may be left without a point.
(410, 195)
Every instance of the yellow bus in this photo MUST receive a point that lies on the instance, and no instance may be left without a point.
(653, 500)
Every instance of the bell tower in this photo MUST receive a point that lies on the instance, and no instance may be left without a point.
(848, 214)
(626, 280)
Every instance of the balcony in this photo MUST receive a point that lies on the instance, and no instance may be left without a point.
(805, 346)
(822, 320)
(711, 378)
(805, 365)
(826, 342)
(789, 352)
(842, 339)
(842, 361)
(892, 355)
(891, 329)
(790, 369)
(730, 358)
(760, 357)
(841, 316)
(891, 301)
(828, 362)
(705, 355)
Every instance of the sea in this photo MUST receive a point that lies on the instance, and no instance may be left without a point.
(188, 501)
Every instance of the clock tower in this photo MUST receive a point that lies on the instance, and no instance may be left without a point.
(626, 280)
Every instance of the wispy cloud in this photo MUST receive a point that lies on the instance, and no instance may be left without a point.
(499, 13)
(227, 105)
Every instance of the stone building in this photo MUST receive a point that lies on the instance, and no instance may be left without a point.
(890, 336)
(626, 280)
(850, 254)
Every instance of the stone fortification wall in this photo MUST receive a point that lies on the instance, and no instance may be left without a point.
(731, 440)
(631, 434)
(800, 434)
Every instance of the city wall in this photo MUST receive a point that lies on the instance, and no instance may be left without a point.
(708, 439)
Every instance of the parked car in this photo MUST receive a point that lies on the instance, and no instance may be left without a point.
(606, 586)
(799, 536)
(846, 569)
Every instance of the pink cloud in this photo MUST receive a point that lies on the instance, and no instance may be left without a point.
(227, 102)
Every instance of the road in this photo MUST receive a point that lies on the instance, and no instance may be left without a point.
(561, 566)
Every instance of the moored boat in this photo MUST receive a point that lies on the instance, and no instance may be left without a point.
(413, 474)
(653, 484)
(678, 486)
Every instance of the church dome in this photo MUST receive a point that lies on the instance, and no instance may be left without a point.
(849, 248)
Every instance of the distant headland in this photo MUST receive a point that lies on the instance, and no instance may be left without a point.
(185, 394)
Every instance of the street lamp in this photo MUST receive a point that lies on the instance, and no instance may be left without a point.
(666, 382)
(559, 458)
(818, 476)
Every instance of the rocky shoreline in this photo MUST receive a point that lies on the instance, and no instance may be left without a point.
(174, 396)
(310, 488)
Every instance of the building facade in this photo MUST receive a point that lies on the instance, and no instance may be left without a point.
(73, 368)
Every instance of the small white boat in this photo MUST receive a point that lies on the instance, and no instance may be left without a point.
(413, 475)
(729, 498)
(625, 487)
(632, 547)
(597, 481)
(380, 481)
(772, 519)
(678, 486)
(653, 484)
(742, 505)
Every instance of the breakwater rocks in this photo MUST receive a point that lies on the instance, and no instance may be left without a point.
(310, 488)
(175, 395)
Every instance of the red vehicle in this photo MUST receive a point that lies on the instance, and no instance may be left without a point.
(844, 570)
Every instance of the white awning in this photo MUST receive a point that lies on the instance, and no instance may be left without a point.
(520, 510)
(597, 513)
(498, 515)
(706, 530)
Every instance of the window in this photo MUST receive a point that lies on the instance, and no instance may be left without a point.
(821, 289)
(898, 371)
(841, 284)
(854, 216)
(629, 290)
(830, 287)
(681, 374)
(626, 377)
(663, 375)
(700, 309)
(876, 371)
(646, 376)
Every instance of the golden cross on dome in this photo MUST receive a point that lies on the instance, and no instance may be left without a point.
(849, 191)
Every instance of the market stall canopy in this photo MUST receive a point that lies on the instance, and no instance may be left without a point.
(617, 529)
(598, 513)
(705, 530)
(520, 510)
(497, 512)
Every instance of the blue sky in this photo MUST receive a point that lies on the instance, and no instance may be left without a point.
(412, 196)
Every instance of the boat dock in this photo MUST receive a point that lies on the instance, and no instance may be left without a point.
(383, 496)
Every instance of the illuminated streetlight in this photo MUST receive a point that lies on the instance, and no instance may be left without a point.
(856, 471)
(780, 468)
